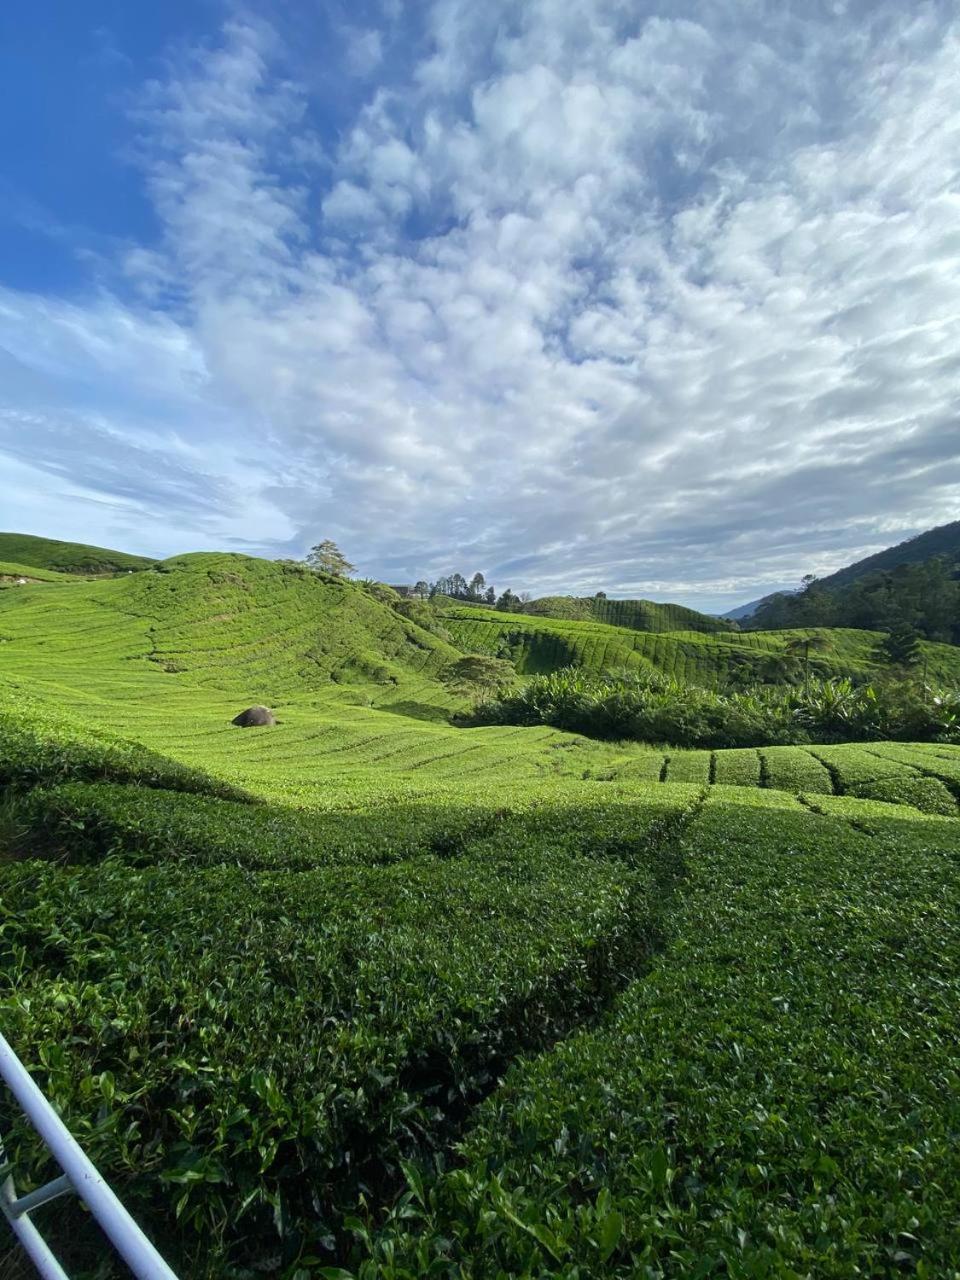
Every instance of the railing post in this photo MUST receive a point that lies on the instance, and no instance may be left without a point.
(80, 1175)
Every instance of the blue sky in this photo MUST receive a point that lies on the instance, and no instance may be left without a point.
(662, 299)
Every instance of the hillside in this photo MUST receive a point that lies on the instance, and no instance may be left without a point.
(637, 615)
(744, 611)
(380, 970)
(12, 573)
(943, 541)
(235, 621)
(67, 557)
(541, 645)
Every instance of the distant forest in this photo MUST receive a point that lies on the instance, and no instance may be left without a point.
(924, 597)
(476, 591)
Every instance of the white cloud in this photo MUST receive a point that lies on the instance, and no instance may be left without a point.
(585, 298)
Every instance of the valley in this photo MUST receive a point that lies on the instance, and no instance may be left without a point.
(382, 990)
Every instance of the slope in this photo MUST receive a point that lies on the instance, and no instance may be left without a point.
(943, 541)
(541, 645)
(743, 611)
(637, 615)
(67, 557)
(12, 573)
(265, 1021)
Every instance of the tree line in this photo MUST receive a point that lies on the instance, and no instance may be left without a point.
(922, 600)
(476, 591)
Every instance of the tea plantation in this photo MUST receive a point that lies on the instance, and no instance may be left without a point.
(368, 994)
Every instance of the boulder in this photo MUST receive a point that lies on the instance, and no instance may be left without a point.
(254, 716)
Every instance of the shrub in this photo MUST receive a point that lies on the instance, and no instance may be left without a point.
(37, 748)
(655, 708)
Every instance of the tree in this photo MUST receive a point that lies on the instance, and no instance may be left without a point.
(422, 589)
(476, 675)
(508, 602)
(802, 647)
(458, 586)
(477, 584)
(901, 648)
(326, 557)
(490, 596)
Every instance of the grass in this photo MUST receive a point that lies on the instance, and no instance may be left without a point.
(462, 1002)
(11, 573)
(67, 557)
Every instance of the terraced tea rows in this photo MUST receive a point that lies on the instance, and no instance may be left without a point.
(366, 994)
(541, 645)
(767, 1101)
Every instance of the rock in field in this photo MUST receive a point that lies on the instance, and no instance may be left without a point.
(254, 716)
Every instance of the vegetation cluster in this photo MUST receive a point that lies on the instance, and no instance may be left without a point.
(917, 600)
(650, 707)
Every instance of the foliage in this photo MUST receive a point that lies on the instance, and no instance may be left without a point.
(718, 659)
(11, 573)
(273, 1018)
(769, 1100)
(328, 1023)
(67, 557)
(901, 648)
(650, 707)
(454, 586)
(326, 557)
(40, 748)
(638, 615)
(478, 676)
(923, 596)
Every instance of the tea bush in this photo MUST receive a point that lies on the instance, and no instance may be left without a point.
(39, 748)
(244, 1053)
(771, 1100)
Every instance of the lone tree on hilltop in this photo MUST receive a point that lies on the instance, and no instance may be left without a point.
(326, 557)
(476, 675)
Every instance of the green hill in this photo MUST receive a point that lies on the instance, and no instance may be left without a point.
(638, 615)
(12, 573)
(234, 621)
(67, 557)
(943, 541)
(355, 994)
(541, 645)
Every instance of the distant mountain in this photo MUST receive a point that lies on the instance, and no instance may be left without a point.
(748, 610)
(67, 557)
(943, 541)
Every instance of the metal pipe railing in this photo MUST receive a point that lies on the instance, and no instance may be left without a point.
(79, 1175)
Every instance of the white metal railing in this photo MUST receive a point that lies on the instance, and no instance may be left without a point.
(79, 1175)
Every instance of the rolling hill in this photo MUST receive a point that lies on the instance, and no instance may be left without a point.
(354, 995)
(540, 645)
(637, 615)
(67, 557)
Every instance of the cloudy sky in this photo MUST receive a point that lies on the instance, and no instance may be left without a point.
(661, 298)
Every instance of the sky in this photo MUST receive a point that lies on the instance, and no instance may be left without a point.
(661, 299)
